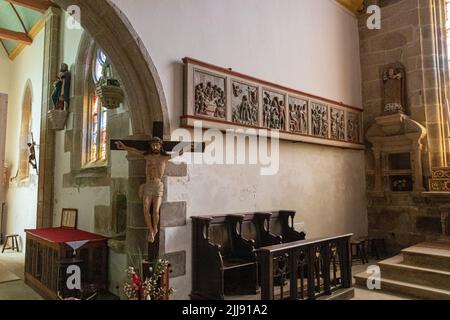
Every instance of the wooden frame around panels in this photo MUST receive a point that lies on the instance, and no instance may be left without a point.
(224, 95)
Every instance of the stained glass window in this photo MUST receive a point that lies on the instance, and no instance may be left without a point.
(97, 115)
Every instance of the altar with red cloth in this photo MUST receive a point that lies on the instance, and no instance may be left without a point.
(46, 247)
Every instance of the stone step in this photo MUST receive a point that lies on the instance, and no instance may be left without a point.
(341, 294)
(404, 288)
(394, 268)
(435, 255)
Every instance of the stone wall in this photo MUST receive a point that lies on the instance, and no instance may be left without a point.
(406, 36)
(409, 34)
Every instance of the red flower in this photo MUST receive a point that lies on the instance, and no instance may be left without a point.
(136, 281)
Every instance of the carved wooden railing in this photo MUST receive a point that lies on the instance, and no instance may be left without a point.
(305, 270)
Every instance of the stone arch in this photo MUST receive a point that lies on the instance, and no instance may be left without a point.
(141, 82)
(25, 130)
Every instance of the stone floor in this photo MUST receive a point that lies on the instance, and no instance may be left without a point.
(15, 290)
(18, 290)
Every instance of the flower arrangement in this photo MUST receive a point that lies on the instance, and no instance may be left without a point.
(151, 288)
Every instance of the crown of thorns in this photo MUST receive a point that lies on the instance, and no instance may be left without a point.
(156, 140)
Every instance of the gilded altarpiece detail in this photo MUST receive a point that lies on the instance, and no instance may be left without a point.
(319, 120)
(244, 103)
(337, 119)
(210, 95)
(298, 115)
(440, 179)
(274, 110)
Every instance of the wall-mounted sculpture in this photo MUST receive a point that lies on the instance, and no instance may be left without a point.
(61, 89)
(210, 97)
(394, 89)
(245, 104)
(274, 110)
(57, 117)
(223, 99)
(319, 119)
(32, 161)
(298, 115)
(337, 124)
(353, 127)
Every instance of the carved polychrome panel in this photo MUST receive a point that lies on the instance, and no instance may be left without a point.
(244, 103)
(319, 119)
(224, 99)
(210, 95)
(298, 115)
(353, 127)
(337, 123)
(274, 110)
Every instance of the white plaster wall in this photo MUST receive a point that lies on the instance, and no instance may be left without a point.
(308, 45)
(3, 112)
(5, 65)
(22, 197)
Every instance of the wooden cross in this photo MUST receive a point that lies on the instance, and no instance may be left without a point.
(153, 248)
(167, 145)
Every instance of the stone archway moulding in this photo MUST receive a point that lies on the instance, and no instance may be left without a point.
(112, 31)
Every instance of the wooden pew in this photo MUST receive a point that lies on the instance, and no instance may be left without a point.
(223, 250)
(224, 263)
(282, 223)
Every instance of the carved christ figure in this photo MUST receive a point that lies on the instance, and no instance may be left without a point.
(152, 191)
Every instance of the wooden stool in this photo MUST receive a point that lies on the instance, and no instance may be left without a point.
(375, 245)
(358, 247)
(14, 242)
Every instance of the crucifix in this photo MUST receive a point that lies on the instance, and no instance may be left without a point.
(156, 153)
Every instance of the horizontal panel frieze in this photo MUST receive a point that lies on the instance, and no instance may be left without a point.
(224, 99)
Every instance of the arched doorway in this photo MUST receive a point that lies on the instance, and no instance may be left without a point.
(112, 32)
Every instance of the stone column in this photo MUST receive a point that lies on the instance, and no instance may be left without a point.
(377, 157)
(47, 138)
(416, 157)
(136, 243)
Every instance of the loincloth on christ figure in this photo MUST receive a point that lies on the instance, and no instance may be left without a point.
(151, 189)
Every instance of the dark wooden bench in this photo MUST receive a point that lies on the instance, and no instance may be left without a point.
(224, 258)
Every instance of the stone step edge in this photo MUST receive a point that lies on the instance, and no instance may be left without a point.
(396, 262)
(408, 251)
(363, 276)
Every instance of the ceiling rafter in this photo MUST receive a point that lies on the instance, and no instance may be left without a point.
(37, 5)
(19, 17)
(20, 37)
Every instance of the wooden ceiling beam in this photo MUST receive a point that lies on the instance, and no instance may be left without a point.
(20, 37)
(353, 5)
(37, 5)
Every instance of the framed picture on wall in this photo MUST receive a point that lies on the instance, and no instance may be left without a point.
(69, 218)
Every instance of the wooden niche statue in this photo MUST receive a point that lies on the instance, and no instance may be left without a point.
(61, 89)
(394, 89)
